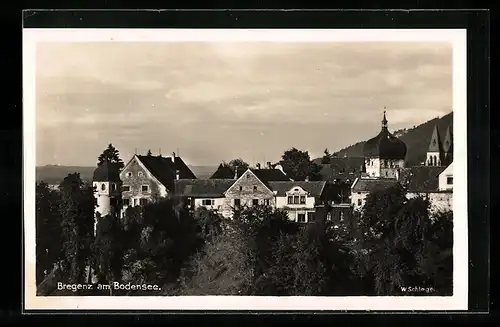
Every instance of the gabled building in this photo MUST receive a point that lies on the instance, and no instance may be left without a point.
(269, 186)
(362, 187)
(145, 178)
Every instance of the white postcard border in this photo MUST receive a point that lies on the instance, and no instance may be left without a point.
(459, 300)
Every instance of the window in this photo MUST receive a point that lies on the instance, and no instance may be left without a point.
(341, 216)
(241, 188)
(267, 202)
(295, 199)
(144, 202)
(140, 174)
(386, 174)
(113, 187)
(135, 202)
(329, 216)
(255, 188)
(145, 188)
(301, 217)
(290, 200)
(129, 174)
(255, 202)
(126, 202)
(125, 188)
(248, 176)
(302, 199)
(360, 202)
(311, 217)
(296, 190)
(103, 187)
(449, 180)
(207, 202)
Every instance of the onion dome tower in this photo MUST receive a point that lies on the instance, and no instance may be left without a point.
(384, 154)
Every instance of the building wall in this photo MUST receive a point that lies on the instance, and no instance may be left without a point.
(218, 203)
(295, 210)
(135, 176)
(247, 193)
(439, 201)
(104, 192)
(358, 200)
(376, 167)
(444, 184)
(431, 156)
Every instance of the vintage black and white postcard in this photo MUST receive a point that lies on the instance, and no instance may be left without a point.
(245, 169)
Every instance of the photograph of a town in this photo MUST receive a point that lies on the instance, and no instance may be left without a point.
(244, 169)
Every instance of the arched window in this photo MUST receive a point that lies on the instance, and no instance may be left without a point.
(103, 187)
(435, 161)
(113, 187)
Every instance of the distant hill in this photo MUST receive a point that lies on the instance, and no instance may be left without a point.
(417, 140)
(54, 174)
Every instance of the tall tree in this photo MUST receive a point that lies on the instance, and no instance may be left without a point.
(110, 155)
(48, 231)
(298, 165)
(298, 269)
(77, 212)
(401, 243)
(240, 163)
(327, 157)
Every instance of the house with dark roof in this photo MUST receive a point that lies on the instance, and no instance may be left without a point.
(362, 187)
(267, 186)
(434, 183)
(145, 178)
(208, 193)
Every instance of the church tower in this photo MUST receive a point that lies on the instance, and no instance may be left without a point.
(448, 147)
(435, 151)
(384, 154)
(107, 190)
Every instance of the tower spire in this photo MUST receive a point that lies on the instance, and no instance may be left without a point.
(384, 121)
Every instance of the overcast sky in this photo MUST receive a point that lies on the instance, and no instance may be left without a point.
(218, 101)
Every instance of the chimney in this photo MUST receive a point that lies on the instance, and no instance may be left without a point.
(236, 172)
(173, 157)
(177, 175)
(258, 165)
(269, 165)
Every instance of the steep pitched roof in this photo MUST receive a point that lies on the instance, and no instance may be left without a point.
(315, 188)
(107, 172)
(267, 175)
(165, 170)
(420, 178)
(435, 144)
(373, 184)
(202, 188)
(448, 141)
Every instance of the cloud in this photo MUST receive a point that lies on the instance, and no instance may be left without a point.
(218, 100)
